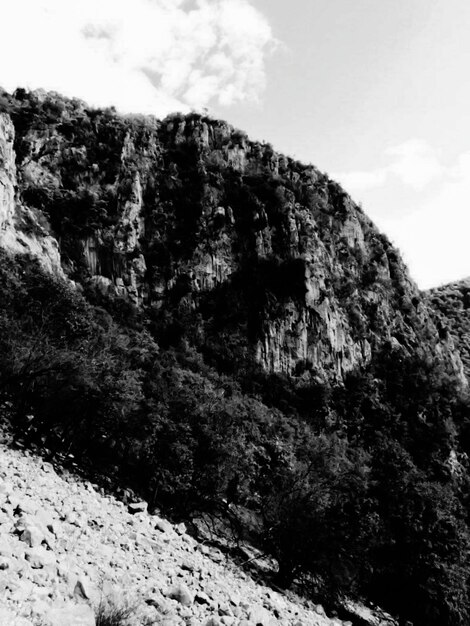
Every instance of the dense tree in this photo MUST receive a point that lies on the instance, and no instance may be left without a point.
(352, 487)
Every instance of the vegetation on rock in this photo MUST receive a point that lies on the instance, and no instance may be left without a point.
(452, 303)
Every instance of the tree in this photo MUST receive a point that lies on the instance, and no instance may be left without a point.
(420, 556)
(316, 518)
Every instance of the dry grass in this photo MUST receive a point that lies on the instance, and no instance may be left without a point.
(110, 614)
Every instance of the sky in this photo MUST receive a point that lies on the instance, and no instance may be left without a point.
(374, 92)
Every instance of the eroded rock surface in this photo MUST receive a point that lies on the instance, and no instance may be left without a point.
(21, 230)
(187, 217)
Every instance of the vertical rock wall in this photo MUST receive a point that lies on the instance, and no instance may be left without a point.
(20, 229)
(185, 215)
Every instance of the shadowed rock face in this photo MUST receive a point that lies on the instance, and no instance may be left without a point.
(255, 253)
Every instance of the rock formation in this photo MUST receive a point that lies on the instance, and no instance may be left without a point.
(20, 228)
(187, 214)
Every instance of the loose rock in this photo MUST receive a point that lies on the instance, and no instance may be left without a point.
(64, 547)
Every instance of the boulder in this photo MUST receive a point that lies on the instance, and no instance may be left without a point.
(32, 536)
(259, 616)
(39, 558)
(162, 525)
(181, 594)
(202, 598)
(137, 507)
(188, 565)
(82, 589)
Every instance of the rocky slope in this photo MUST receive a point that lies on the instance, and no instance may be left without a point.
(66, 548)
(257, 255)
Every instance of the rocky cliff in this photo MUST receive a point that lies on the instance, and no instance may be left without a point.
(15, 218)
(256, 255)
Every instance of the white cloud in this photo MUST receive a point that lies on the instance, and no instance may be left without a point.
(414, 163)
(433, 234)
(422, 204)
(362, 181)
(140, 55)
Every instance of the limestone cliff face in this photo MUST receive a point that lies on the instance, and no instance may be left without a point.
(20, 226)
(252, 252)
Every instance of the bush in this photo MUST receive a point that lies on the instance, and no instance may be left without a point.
(111, 615)
(108, 613)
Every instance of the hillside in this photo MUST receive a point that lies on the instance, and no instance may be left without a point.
(223, 330)
(67, 551)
